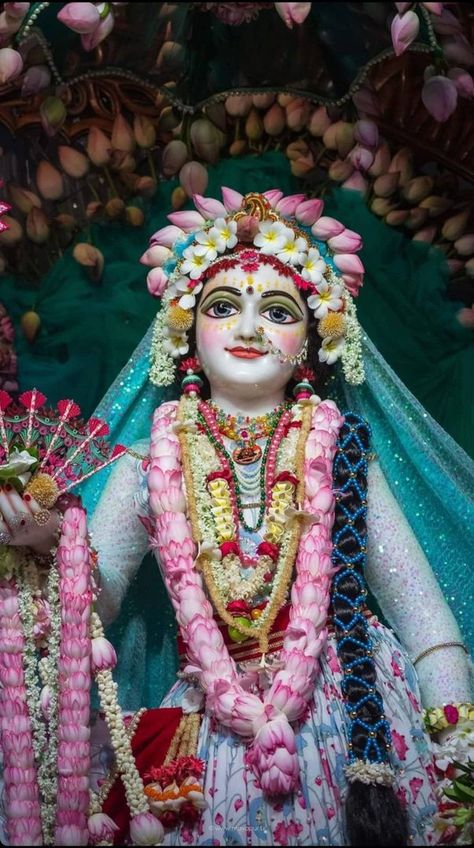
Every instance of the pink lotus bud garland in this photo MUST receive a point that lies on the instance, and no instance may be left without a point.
(265, 723)
(20, 774)
(75, 595)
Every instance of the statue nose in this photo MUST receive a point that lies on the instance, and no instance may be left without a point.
(247, 326)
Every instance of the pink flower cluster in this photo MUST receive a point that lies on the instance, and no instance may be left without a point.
(266, 723)
(74, 681)
(22, 802)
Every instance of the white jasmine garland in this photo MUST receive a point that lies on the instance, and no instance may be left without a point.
(352, 360)
(162, 370)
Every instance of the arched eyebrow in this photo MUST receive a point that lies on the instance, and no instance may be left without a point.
(230, 289)
(280, 293)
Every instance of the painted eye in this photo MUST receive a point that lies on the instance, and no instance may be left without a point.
(279, 315)
(221, 309)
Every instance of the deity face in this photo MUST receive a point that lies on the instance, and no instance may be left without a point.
(239, 314)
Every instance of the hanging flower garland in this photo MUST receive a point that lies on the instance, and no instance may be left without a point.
(266, 723)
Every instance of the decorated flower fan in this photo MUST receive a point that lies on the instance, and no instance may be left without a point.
(48, 451)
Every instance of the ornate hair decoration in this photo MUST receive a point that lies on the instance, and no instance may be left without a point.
(288, 233)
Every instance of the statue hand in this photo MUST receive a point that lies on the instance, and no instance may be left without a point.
(24, 522)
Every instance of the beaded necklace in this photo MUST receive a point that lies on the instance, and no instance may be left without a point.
(208, 420)
(246, 431)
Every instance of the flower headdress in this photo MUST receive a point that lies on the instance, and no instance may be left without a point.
(288, 233)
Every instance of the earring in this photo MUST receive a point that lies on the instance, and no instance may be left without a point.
(191, 384)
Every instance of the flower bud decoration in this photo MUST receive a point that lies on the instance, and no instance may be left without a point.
(238, 105)
(134, 216)
(344, 135)
(122, 135)
(73, 162)
(37, 227)
(35, 79)
(144, 131)
(90, 258)
(103, 654)
(145, 186)
(254, 125)
(205, 139)
(275, 120)
(49, 181)
(12, 231)
(439, 95)
(297, 113)
(404, 30)
(402, 163)
(293, 13)
(356, 182)
(319, 122)
(263, 101)
(178, 198)
(23, 199)
(386, 185)
(454, 227)
(30, 323)
(156, 282)
(80, 17)
(463, 81)
(193, 178)
(418, 188)
(465, 245)
(98, 147)
(381, 163)
(436, 205)
(155, 256)
(90, 40)
(174, 156)
(145, 829)
(115, 208)
(53, 114)
(366, 133)
(11, 64)
(340, 170)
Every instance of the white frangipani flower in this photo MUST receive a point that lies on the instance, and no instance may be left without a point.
(293, 251)
(331, 349)
(313, 266)
(212, 242)
(328, 299)
(271, 237)
(176, 344)
(195, 261)
(226, 232)
(188, 298)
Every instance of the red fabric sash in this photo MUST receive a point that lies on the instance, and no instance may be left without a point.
(248, 650)
(150, 744)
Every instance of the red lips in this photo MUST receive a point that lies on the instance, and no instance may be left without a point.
(246, 352)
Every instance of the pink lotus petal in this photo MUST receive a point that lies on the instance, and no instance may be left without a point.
(188, 221)
(309, 211)
(327, 227)
(167, 236)
(287, 205)
(346, 242)
(348, 263)
(356, 182)
(273, 195)
(404, 30)
(232, 199)
(208, 207)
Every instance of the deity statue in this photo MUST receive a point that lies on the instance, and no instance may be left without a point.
(300, 717)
